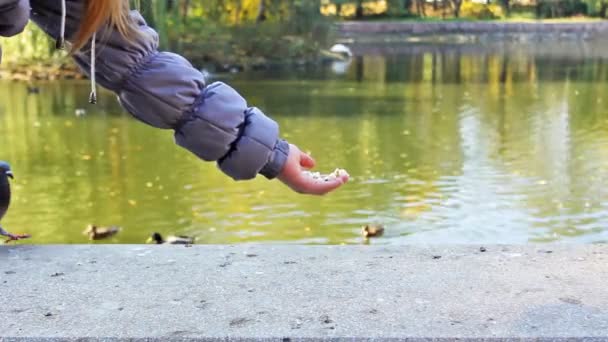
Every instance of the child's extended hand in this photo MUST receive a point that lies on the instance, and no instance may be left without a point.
(294, 175)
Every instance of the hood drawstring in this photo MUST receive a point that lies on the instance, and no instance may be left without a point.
(60, 44)
(93, 96)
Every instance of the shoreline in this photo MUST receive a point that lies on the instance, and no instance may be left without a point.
(41, 71)
(373, 37)
(67, 69)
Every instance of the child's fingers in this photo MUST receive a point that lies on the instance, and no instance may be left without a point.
(306, 161)
(322, 187)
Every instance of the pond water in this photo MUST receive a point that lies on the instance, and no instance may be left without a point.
(444, 144)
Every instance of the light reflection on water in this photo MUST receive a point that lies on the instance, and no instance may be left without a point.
(444, 147)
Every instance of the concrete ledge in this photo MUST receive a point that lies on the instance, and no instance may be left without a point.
(303, 292)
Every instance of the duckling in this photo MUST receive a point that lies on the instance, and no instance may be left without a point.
(372, 230)
(172, 240)
(98, 233)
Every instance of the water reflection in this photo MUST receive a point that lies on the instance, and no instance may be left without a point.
(446, 145)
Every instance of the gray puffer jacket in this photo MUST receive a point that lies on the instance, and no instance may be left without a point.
(163, 89)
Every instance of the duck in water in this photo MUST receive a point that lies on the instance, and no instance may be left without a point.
(171, 240)
(99, 233)
(372, 230)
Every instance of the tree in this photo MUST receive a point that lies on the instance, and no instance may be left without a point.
(420, 8)
(399, 7)
(359, 11)
(457, 4)
(596, 7)
(261, 12)
(185, 6)
(506, 4)
(338, 4)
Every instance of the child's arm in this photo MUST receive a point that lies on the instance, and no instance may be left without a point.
(162, 89)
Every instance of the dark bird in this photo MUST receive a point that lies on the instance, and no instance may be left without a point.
(172, 240)
(98, 233)
(372, 230)
(33, 89)
(5, 199)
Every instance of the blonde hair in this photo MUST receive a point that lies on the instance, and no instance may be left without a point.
(99, 12)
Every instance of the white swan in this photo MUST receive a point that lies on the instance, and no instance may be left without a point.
(342, 50)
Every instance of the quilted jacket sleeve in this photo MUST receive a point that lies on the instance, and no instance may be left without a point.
(162, 89)
(14, 15)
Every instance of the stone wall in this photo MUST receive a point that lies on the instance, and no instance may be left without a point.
(587, 29)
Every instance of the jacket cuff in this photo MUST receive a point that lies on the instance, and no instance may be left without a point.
(277, 160)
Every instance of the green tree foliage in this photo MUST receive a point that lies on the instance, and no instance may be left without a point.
(235, 31)
(399, 7)
(31, 46)
(476, 10)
